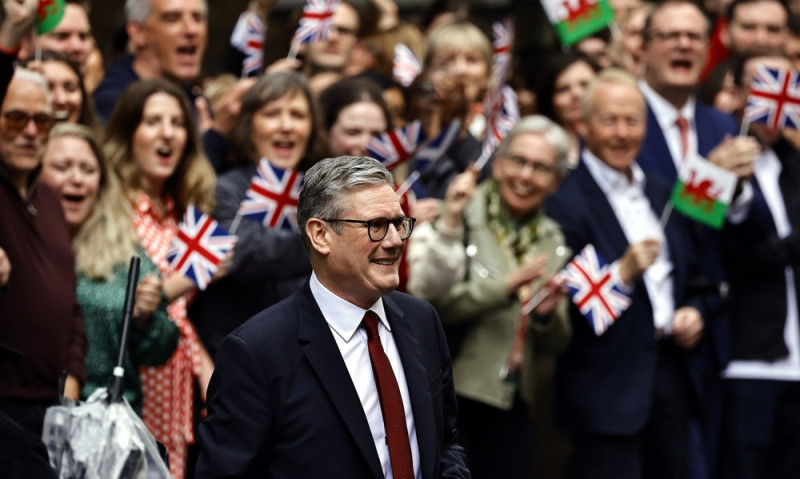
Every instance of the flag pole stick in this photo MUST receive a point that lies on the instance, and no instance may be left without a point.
(412, 178)
(535, 300)
(665, 215)
(745, 126)
(235, 225)
(292, 53)
(482, 160)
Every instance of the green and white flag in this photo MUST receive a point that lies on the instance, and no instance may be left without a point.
(577, 19)
(703, 191)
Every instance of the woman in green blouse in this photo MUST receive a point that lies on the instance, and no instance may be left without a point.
(99, 219)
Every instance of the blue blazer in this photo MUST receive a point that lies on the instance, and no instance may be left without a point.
(281, 403)
(712, 126)
(604, 384)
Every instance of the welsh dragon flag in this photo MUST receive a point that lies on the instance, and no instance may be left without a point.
(577, 19)
(703, 191)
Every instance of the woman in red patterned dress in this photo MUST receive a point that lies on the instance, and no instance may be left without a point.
(152, 144)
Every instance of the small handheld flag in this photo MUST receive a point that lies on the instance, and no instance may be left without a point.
(315, 23)
(397, 146)
(49, 15)
(703, 191)
(575, 20)
(199, 247)
(272, 197)
(774, 98)
(406, 66)
(248, 38)
(502, 113)
(502, 42)
(594, 290)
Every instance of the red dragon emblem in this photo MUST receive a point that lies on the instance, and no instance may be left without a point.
(700, 192)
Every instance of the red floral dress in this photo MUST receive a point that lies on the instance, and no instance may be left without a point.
(168, 389)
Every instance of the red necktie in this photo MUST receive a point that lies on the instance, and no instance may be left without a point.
(394, 416)
(683, 126)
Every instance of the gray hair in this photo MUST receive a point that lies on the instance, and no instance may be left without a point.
(609, 76)
(36, 78)
(547, 129)
(327, 183)
(139, 10)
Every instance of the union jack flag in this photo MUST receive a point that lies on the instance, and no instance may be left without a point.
(272, 197)
(315, 23)
(594, 290)
(434, 149)
(774, 98)
(502, 113)
(406, 66)
(397, 146)
(248, 37)
(199, 247)
(502, 41)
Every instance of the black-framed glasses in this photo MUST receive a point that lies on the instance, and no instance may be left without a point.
(378, 227)
(539, 168)
(17, 120)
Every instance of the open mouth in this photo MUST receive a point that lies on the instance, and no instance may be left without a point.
(164, 152)
(188, 50)
(284, 147)
(73, 199)
(384, 262)
(681, 65)
(61, 115)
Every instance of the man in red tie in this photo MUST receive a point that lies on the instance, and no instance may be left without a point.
(346, 378)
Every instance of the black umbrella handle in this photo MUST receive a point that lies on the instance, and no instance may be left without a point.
(117, 385)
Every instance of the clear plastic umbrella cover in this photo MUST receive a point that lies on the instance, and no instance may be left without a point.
(98, 439)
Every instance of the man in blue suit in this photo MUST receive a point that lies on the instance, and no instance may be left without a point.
(626, 395)
(674, 52)
(299, 390)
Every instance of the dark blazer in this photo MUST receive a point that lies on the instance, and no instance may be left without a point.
(281, 403)
(755, 259)
(712, 126)
(604, 384)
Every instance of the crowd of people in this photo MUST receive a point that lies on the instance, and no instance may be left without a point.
(698, 378)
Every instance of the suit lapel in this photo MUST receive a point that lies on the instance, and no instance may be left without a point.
(656, 156)
(326, 360)
(411, 355)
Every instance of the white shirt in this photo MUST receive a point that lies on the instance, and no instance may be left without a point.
(767, 170)
(344, 319)
(638, 222)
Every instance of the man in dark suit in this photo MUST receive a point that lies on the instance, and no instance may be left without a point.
(625, 395)
(295, 394)
(761, 417)
(674, 51)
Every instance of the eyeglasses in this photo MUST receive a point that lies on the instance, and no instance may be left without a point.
(539, 168)
(17, 120)
(378, 227)
(672, 36)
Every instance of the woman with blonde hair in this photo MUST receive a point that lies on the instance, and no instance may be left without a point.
(152, 145)
(103, 239)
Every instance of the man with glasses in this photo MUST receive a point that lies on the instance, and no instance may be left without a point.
(345, 378)
(41, 317)
(674, 53)
(625, 394)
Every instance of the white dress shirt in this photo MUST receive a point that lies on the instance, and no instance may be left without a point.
(344, 319)
(767, 170)
(639, 222)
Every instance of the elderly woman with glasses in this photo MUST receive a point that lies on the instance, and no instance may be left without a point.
(512, 252)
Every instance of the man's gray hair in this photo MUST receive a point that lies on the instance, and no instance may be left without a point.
(609, 76)
(327, 183)
(139, 10)
(547, 129)
(36, 78)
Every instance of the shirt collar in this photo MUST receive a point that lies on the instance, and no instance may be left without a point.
(666, 114)
(610, 180)
(341, 315)
(145, 205)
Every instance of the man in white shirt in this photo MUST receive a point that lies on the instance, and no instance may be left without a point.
(626, 395)
(305, 388)
(762, 256)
